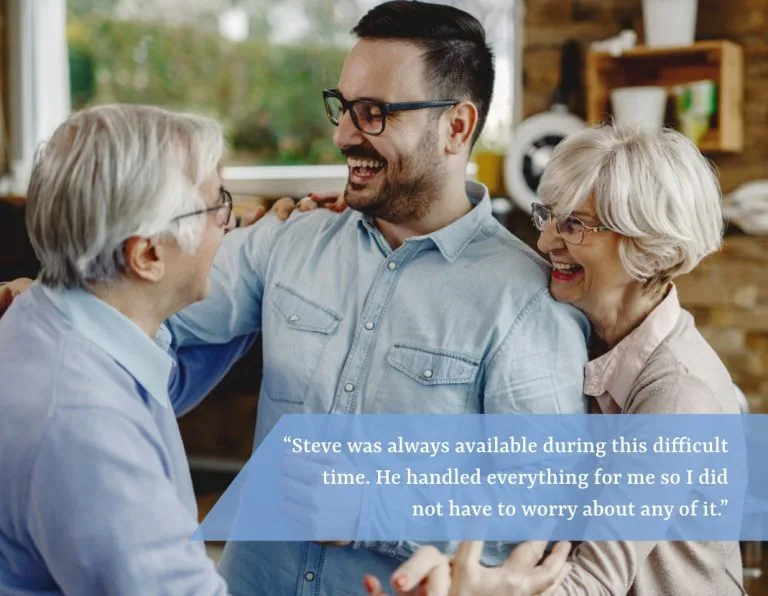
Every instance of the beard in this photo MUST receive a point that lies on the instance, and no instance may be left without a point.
(409, 187)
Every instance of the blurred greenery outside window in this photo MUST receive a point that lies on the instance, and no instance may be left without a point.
(256, 66)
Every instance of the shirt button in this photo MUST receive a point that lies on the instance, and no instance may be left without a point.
(309, 576)
(293, 318)
(369, 326)
(427, 374)
(392, 265)
(349, 387)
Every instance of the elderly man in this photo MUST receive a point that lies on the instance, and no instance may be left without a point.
(125, 211)
(413, 300)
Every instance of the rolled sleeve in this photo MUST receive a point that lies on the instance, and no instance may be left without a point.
(199, 369)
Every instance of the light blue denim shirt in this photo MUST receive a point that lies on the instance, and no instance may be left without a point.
(457, 321)
(97, 496)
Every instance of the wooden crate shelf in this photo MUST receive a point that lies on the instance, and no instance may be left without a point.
(718, 61)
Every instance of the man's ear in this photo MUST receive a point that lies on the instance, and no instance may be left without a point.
(145, 258)
(462, 124)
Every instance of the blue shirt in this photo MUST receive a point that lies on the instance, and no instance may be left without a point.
(97, 496)
(456, 321)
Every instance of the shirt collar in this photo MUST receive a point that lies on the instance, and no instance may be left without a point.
(453, 238)
(616, 371)
(118, 336)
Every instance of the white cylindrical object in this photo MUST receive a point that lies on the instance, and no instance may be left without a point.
(639, 106)
(670, 22)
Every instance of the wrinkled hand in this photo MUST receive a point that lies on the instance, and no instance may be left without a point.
(427, 573)
(12, 289)
(431, 573)
(248, 218)
(285, 206)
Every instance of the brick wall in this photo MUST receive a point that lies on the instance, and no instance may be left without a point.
(549, 23)
(728, 293)
(728, 296)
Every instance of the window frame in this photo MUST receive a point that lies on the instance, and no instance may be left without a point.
(38, 80)
(38, 99)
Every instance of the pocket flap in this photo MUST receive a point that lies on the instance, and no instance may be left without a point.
(302, 313)
(431, 366)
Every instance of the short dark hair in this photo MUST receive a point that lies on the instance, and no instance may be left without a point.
(456, 55)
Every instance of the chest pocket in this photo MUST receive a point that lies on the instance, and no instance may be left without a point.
(299, 334)
(425, 380)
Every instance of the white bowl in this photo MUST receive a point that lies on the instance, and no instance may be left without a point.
(639, 106)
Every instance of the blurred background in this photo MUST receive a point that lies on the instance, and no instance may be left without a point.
(255, 65)
(259, 67)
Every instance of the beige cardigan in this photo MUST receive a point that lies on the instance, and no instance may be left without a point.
(682, 375)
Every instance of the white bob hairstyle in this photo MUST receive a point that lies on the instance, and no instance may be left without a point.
(656, 189)
(112, 172)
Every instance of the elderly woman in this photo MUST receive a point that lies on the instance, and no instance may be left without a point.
(623, 213)
(125, 210)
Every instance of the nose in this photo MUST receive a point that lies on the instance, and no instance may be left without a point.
(346, 133)
(549, 240)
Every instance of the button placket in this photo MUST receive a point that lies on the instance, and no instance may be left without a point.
(361, 352)
(311, 570)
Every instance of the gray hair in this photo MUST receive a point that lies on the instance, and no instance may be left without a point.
(655, 189)
(112, 172)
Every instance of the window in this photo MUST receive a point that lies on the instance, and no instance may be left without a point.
(38, 81)
(255, 65)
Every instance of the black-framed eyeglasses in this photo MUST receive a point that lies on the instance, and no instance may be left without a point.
(223, 209)
(370, 116)
(570, 228)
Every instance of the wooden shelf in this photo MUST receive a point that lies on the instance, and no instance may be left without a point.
(718, 61)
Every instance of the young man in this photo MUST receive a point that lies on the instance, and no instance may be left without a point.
(414, 300)
(126, 211)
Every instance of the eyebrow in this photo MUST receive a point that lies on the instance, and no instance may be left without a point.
(364, 98)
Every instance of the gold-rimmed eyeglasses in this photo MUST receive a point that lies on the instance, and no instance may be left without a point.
(570, 228)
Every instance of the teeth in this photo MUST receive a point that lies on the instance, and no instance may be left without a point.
(566, 267)
(364, 163)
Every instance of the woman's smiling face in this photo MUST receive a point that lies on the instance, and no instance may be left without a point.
(587, 265)
(649, 206)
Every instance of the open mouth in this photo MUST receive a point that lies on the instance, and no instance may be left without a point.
(364, 170)
(566, 271)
